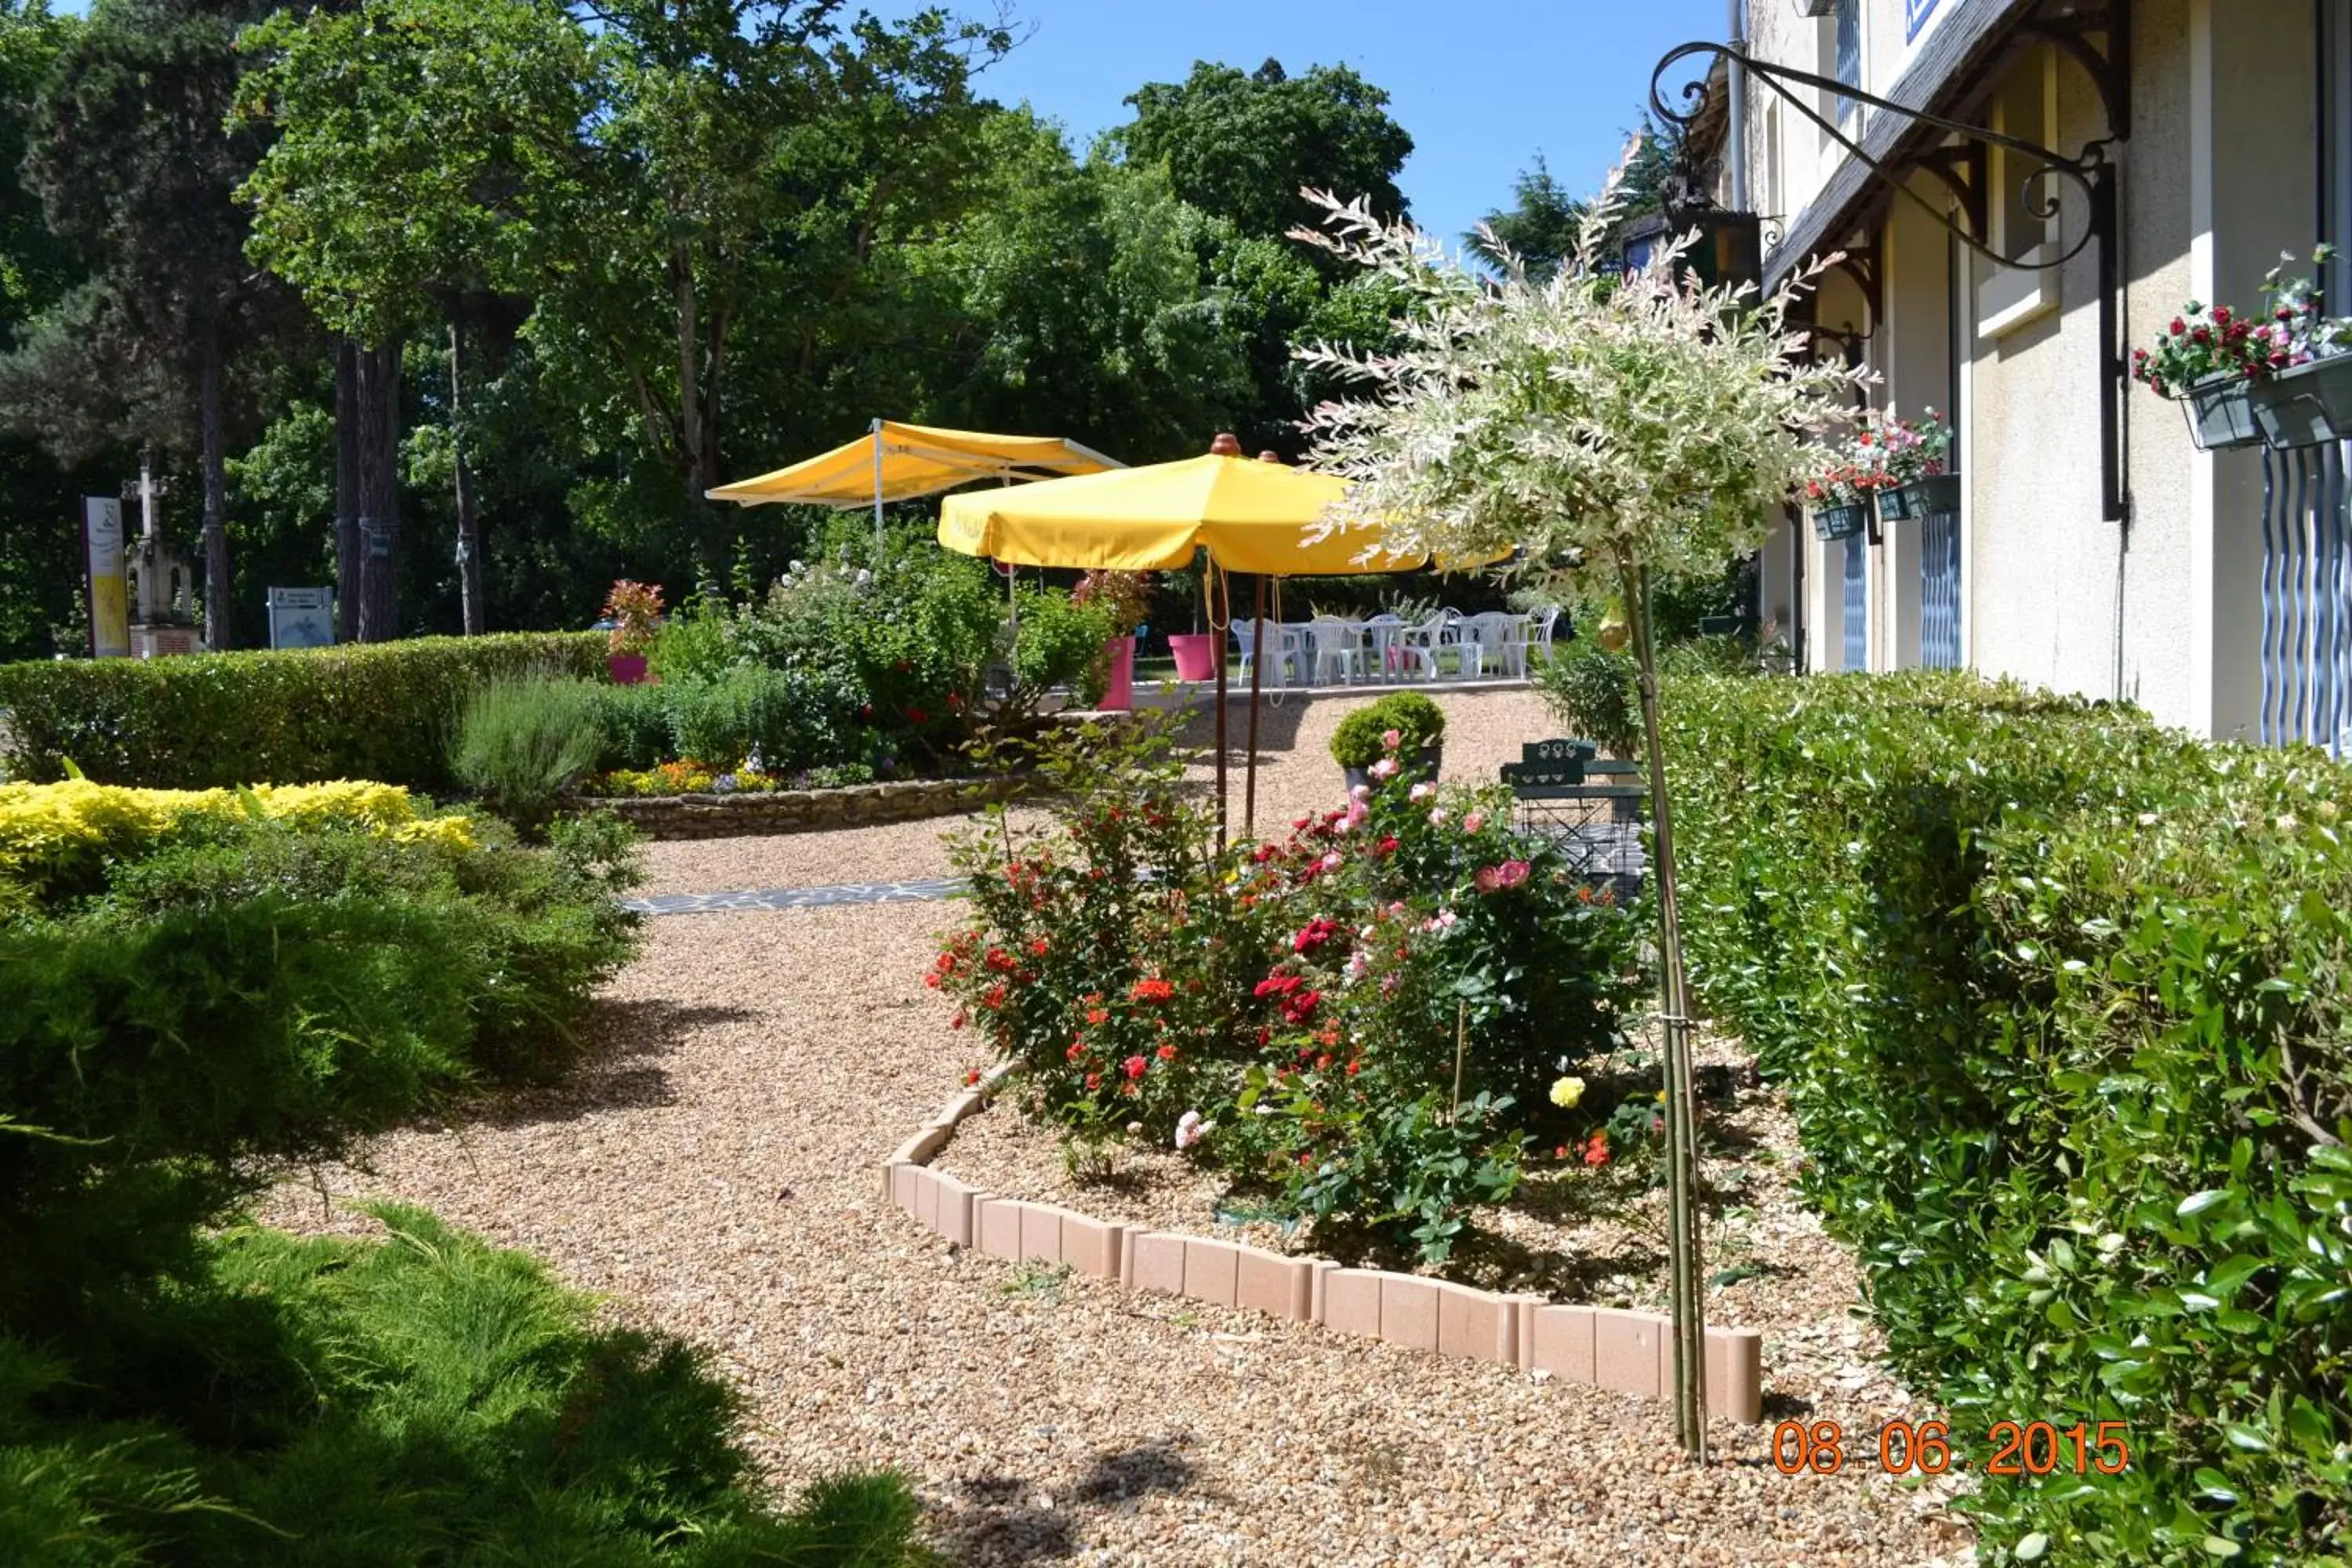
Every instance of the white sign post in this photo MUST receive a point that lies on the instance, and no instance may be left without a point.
(301, 618)
(109, 609)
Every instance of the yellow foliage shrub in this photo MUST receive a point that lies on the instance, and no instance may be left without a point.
(46, 830)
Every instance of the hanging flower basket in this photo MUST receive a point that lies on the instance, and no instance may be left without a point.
(1914, 501)
(2221, 413)
(1834, 522)
(2306, 406)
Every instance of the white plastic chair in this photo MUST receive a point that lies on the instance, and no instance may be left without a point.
(1491, 642)
(1276, 644)
(1539, 634)
(1380, 645)
(1337, 642)
(1417, 646)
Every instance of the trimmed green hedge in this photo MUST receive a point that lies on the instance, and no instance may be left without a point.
(2055, 994)
(377, 711)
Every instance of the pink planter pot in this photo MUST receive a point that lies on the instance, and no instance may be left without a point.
(627, 669)
(1119, 695)
(1196, 655)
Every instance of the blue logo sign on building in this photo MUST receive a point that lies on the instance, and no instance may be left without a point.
(1915, 17)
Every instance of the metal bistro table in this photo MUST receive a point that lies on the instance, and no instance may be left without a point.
(1593, 806)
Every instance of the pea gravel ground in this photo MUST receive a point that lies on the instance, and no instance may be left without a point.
(713, 1173)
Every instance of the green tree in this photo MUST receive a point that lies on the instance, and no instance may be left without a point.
(1542, 224)
(749, 175)
(419, 143)
(127, 149)
(1241, 145)
(1539, 227)
(1071, 300)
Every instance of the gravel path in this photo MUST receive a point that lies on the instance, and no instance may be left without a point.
(715, 1173)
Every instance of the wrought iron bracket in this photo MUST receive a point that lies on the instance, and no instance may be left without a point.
(2089, 174)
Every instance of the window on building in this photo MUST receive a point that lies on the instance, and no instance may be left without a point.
(1849, 57)
(2025, 109)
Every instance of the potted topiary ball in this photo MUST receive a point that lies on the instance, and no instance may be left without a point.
(1400, 736)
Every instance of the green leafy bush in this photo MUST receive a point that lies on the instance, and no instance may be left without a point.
(422, 1399)
(380, 710)
(1356, 741)
(633, 721)
(2055, 996)
(786, 719)
(523, 740)
(1059, 642)
(1592, 690)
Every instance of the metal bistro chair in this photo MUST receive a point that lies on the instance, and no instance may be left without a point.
(1591, 805)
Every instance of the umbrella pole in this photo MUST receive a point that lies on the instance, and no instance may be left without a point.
(1257, 678)
(1221, 703)
(878, 494)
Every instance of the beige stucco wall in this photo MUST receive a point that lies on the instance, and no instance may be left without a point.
(2216, 180)
(2262, 182)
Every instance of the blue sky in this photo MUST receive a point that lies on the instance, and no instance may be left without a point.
(1482, 88)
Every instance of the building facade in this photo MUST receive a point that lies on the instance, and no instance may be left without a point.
(2095, 549)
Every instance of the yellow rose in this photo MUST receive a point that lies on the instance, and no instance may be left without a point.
(1567, 1091)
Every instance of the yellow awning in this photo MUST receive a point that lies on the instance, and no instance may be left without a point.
(1250, 515)
(899, 462)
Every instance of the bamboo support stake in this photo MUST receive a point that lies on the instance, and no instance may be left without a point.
(1682, 1122)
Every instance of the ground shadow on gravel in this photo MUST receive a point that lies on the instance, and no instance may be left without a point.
(619, 1066)
(1005, 1519)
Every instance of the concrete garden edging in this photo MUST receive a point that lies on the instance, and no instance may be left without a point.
(800, 810)
(1625, 1352)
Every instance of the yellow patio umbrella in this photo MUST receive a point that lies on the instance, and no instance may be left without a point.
(1250, 515)
(898, 462)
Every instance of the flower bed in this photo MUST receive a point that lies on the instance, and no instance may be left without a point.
(1364, 1021)
(1628, 1352)
(772, 807)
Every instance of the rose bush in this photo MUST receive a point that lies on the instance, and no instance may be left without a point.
(1363, 1015)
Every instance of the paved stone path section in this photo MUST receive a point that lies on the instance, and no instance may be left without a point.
(797, 898)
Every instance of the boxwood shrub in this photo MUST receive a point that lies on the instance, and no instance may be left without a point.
(2055, 994)
(378, 710)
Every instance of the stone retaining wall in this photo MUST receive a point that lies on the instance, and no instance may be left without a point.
(800, 810)
(1631, 1352)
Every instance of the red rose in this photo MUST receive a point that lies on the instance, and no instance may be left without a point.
(1134, 1067)
(1166, 1053)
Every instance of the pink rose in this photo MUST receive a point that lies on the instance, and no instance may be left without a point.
(1391, 739)
(1473, 822)
(1386, 767)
